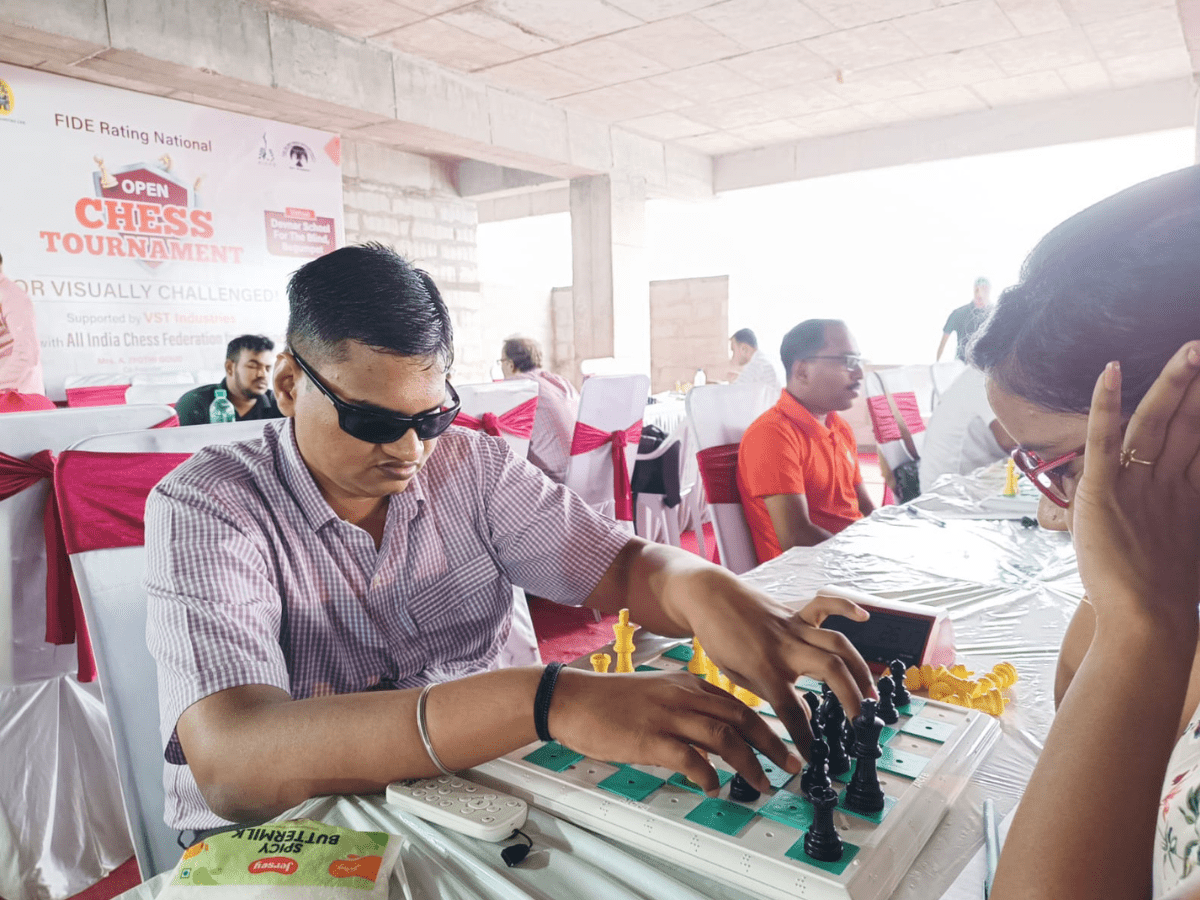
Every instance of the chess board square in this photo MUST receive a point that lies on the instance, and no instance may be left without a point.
(777, 776)
(681, 780)
(809, 684)
(886, 735)
(681, 652)
(721, 815)
(788, 809)
(877, 817)
(903, 763)
(930, 729)
(647, 669)
(554, 756)
(796, 852)
(632, 783)
(914, 706)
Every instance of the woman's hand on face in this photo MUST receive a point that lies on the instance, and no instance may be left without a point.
(1136, 510)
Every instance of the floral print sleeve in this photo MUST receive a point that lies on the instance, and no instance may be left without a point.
(1177, 844)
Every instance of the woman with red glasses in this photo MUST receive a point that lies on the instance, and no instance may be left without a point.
(1093, 360)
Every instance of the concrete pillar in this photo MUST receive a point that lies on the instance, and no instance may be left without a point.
(610, 289)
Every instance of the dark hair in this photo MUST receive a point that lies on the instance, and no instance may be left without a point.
(370, 294)
(746, 336)
(523, 352)
(255, 343)
(1119, 280)
(803, 341)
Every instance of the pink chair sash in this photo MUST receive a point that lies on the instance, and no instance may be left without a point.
(12, 401)
(906, 403)
(588, 438)
(883, 423)
(718, 471)
(518, 421)
(97, 395)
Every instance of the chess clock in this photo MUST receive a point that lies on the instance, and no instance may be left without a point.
(918, 635)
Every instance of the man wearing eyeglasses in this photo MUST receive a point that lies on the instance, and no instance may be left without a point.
(797, 467)
(327, 603)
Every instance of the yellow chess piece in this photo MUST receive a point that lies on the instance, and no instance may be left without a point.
(958, 700)
(746, 696)
(600, 662)
(624, 630)
(984, 684)
(991, 703)
(1010, 479)
(1005, 674)
(958, 670)
(939, 690)
(912, 678)
(957, 685)
(696, 665)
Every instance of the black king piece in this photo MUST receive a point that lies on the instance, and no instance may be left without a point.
(863, 793)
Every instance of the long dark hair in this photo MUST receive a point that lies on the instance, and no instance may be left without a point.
(1119, 280)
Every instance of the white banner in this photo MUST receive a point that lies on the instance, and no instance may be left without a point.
(149, 232)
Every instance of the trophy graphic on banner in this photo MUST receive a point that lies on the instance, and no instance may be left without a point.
(106, 181)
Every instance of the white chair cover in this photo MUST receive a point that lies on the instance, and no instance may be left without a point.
(654, 517)
(95, 390)
(156, 393)
(499, 397)
(719, 414)
(608, 403)
(614, 365)
(163, 378)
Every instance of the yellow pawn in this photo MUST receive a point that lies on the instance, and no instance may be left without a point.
(624, 630)
(984, 684)
(958, 700)
(746, 696)
(1005, 674)
(714, 676)
(912, 679)
(959, 685)
(939, 690)
(696, 665)
(600, 662)
(960, 671)
(991, 703)
(1010, 479)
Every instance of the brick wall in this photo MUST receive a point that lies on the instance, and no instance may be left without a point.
(689, 330)
(408, 202)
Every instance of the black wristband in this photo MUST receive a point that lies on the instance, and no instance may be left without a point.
(541, 701)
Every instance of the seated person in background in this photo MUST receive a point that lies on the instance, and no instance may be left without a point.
(963, 432)
(308, 588)
(247, 384)
(557, 409)
(20, 352)
(798, 462)
(1086, 371)
(756, 368)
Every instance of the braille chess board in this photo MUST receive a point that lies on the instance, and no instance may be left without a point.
(928, 757)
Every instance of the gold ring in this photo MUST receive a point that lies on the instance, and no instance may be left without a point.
(1130, 456)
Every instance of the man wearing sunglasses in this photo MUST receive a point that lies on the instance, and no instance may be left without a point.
(328, 603)
(798, 462)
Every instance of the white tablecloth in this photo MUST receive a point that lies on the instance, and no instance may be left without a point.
(1010, 591)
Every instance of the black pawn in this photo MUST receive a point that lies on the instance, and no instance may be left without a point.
(821, 841)
(831, 728)
(901, 697)
(813, 702)
(887, 709)
(816, 773)
(741, 789)
(864, 794)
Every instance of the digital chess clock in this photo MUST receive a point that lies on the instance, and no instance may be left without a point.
(917, 635)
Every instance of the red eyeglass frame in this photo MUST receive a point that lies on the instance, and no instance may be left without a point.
(1033, 467)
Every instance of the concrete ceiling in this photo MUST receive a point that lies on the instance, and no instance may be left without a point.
(721, 76)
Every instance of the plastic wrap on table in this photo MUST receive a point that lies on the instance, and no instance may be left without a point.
(979, 495)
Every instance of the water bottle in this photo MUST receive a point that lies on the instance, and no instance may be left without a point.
(699, 378)
(221, 410)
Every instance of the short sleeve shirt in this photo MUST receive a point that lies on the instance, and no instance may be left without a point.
(759, 370)
(253, 579)
(964, 322)
(787, 451)
(192, 407)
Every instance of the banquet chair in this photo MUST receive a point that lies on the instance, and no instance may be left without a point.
(654, 516)
(506, 409)
(156, 393)
(899, 430)
(606, 441)
(96, 390)
(943, 374)
(719, 415)
(102, 485)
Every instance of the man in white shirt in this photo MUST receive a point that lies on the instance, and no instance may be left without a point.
(756, 368)
(963, 432)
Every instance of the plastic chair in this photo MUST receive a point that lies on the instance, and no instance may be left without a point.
(502, 399)
(899, 429)
(114, 602)
(608, 404)
(719, 415)
(654, 517)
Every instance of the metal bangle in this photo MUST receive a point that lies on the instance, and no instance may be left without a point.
(423, 730)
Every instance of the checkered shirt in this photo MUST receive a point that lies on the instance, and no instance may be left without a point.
(241, 528)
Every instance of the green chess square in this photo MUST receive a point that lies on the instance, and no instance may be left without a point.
(876, 817)
(914, 706)
(886, 735)
(901, 762)
(554, 756)
(766, 709)
(796, 852)
(777, 776)
(721, 815)
(809, 684)
(930, 729)
(680, 653)
(632, 783)
(788, 809)
(681, 780)
(647, 669)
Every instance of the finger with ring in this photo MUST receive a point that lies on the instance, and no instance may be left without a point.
(1129, 457)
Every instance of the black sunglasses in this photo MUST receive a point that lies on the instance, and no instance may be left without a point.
(377, 427)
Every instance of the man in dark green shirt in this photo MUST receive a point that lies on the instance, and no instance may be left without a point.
(966, 319)
(248, 363)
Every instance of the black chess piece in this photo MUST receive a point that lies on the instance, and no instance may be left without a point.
(816, 773)
(901, 697)
(864, 794)
(887, 709)
(832, 731)
(813, 702)
(741, 789)
(821, 841)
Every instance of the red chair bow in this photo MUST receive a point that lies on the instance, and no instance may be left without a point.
(588, 438)
(518, 421)
(718, 471)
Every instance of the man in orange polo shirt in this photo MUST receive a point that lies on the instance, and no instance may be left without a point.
(798, 462)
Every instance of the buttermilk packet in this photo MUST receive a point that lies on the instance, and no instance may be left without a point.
(286, 861)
